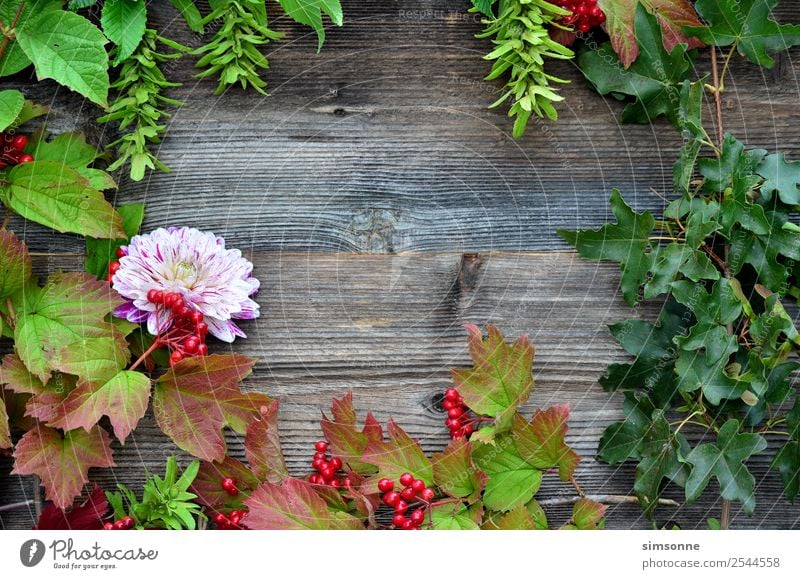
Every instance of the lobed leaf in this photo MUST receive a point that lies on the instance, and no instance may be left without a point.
(262, 446)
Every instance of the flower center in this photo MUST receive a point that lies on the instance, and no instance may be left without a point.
(185, 272)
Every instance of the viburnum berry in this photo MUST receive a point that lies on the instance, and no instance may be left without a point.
(458, 418)
(586, 14)
(408, 494)
(321, 446)
(229, 486)
(385, 485)
(427, 494)
(108, 526)
(406, 479)
(401, 506)
(119, 525)
(418, 485)
(187, 336)
(398, 520)
(417, 516)
(12, 150)
(391, 498)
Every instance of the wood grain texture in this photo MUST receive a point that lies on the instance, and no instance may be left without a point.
(390, 328)
(385, 206)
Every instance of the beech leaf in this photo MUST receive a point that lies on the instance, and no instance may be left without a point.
(500, 379)
(62, 462)
(198, 396)
(293, 505)
(15, 264)
(399, 455)
(262, 446)
(123, 399)
(85, 516)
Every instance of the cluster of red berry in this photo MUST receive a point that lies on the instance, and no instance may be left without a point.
(458, 420)
(586, 14)
(13, 150)
(187, 335)
(231, 520)
(123, 524)
(229, 486)
(327, 469)
(413, 489)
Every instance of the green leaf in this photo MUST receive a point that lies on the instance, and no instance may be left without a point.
(747, 24)
(15, 264)
(100, 252)
(512, 481)
(74, 453)
(541, 444)
(58, 197)
(787, 463)
(123, 399)
(622, 440)
(529, 517)
(30, 110)
(724, 461)
(262, 446)
(653, 80)
(586, 515)
(54, 321)
(695, 372)
(123, 23)
(190, 13)
(293, 505)
(672, 16)
(309, 12)
(69, 49)
(714, 339)
(71, 149)
(456, 517)
(782, 177)
(199, 396)
(500, 378)
(11, 102)
(206, 484)
(625, 241)
(399, 455)
(720, 306)
(454, 472)
(347, 441)
(14, 59)
(484, 7)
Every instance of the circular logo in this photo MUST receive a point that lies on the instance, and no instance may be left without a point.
(31, 553)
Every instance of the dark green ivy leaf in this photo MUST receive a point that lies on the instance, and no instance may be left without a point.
(724, 461)
(720, 306)
(625, 241)
(747, 24)
(787, 463)
(782, 177)
(621, 440)
(653, 80)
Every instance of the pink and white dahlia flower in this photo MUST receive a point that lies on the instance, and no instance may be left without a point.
(212, 280)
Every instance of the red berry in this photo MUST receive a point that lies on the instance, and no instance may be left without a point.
(183, 312)
(401, 506)
(313, 479)
(391, 498)
(418, 486)
(196, 318)
(320, 456)
(584, 27)
(228, 483)
(449, 404)
(152, 296)
(408, 525)
(427, 494)
(24, 159)
(178, 304)
(406, 479)
(202, 329)
(321, 446)
(19, 142)
(235, 517)
(408, 494)
(175, 358)
(190, 344)
(336, 483)
(455, 412)
(108, 526)
(336, 463)
(398, 520)
(202, 350)
(327, 472)
(451, 394)
(417, 516)
(119, 525)
(113, 267)
(385, 485)
(347, 482)
(220, 519)
(128, 522)
(121, 252)
(170, 299)
(468, 429)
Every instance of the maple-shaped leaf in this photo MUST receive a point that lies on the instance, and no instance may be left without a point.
(206, 485)
(123, 399)
(56, 323)
(197, 397)
(672, 16)
(400, 454)
(5, 430)
(787, 463)
(456, 517)
(781, 177)
(511, 480)
(625, 242)
(654, 80)
(345, 439)
(528, 517)
(500, 378)
(725, 461)
(62, 462)
(586, 515)
(293, 505)
(15, 264)
(747, 24)
(85, 516)
(454, 472)
(541, 441)
(46, 400)
(262, 446)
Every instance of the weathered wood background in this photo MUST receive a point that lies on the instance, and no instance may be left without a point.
(384, 206)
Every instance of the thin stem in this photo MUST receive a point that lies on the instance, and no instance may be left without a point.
(775, 432)
(725, 515)
(578, 488)
(6, 33)
(717, 95)
(6, 219)
(18, 505)
(604, 499)
(725, 67)
(155, 345)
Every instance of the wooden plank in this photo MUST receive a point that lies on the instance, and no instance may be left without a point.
(389, 327)
(382, 143)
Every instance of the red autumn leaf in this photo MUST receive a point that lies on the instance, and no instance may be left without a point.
(672, 16)
(123, 399)
(293, 505)
(399, 455)
(196, 398)
(207, 485)
(5, 431)
(455, 473)
(541, 444)
(85, 516)
(15, 264)
(62, 462)
(46, 400)
(262, 446)
(345, 439)
(500, 379)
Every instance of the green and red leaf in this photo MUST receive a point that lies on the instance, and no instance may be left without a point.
(207, 485)
(345, 439)
(5, 430)
(541, 441)
(62, 462)
(399, 455)
(196, 398)
(15, 264)
(455, 473)
(528, 517)
(262, 446)
(587, 515)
